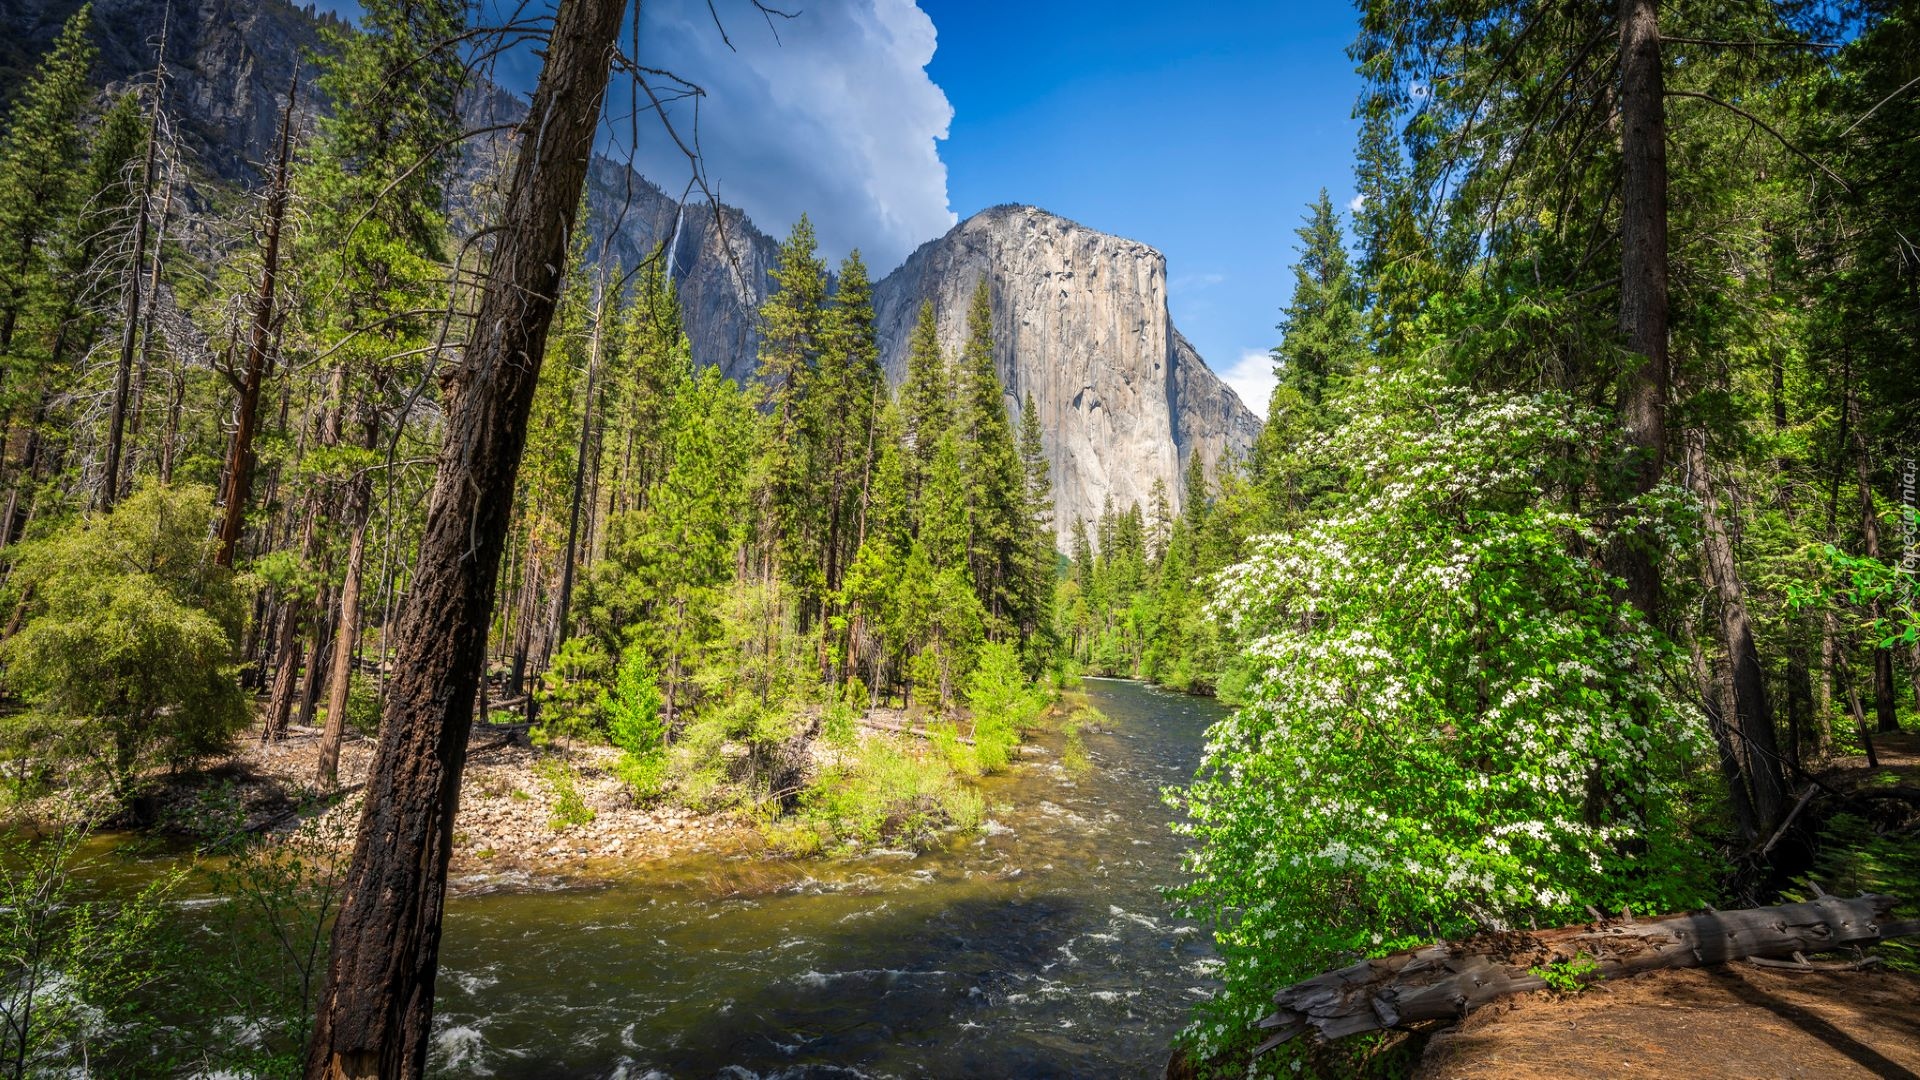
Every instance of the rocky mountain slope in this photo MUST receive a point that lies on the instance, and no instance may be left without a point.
(1080, 323)
(1080, 317)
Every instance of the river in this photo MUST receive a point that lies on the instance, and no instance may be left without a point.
(1039, 947)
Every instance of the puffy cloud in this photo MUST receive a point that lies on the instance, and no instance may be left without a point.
(1192, 283)
(1354, 204)
(1252, 378)
(830, 113)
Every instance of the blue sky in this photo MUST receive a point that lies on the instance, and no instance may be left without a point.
(1201, 128)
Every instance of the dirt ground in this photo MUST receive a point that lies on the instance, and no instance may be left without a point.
(506, 820)
(1735, 1021)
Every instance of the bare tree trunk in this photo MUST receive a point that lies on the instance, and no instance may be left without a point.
(376, 1010)
(1642, 400)
(1716, 695)
(240, 451)
(130, 333)
(138, 395)
(346, 635)
(559, 636)
(1752, 713)
(286, 671)
(317, 651)
(1444, 980)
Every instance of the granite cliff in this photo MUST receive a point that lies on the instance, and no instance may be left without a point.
(1081, 324)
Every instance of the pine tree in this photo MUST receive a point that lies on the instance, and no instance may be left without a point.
(40, 155)
(995, 483)
(841, 418)
(792, 335)
(926, 400)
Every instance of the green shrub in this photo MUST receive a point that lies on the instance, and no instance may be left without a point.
(76, 965)
(263, 955)
(888, 792)
(645, 776)
(569, 807)
(126, 659)
(944, 737)
(1453, 717)
(1003, 705)
(632, 710)
(363, 706)
(571, 692)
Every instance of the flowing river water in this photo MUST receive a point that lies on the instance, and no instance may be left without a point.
(1039, 947)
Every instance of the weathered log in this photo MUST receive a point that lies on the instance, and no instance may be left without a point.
(1446, 980)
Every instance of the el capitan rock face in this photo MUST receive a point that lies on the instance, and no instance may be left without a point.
(1080, 323)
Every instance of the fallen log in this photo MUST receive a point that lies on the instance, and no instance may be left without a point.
(1446, 980)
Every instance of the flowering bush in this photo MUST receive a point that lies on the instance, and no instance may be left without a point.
(1452, 719)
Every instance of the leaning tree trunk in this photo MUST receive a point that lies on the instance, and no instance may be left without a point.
(240, 451)
(1642, 402)
(376, 1010)
(1446, 980)
(1752, 714)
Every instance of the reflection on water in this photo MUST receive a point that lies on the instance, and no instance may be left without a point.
(1040, 948)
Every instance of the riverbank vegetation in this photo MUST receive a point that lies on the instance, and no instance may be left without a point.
(1567, 574)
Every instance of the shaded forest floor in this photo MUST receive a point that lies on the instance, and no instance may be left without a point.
(1730, 1021)
(1734, 1021)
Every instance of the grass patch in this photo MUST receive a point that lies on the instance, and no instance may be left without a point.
(886, 792)
(569, 806)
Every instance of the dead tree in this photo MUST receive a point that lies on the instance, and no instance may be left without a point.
(130, 333)
(1445, 981)
(240, 452)
(376, 1011)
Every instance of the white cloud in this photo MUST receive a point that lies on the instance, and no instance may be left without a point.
(1354, 204)
(830, 113)
(1189, 283)
(1252, 378)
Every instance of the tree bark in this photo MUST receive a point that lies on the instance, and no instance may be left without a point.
(240, 450)
(376, 1010)
(1752, 718)
(1642, 401)
(340, 683)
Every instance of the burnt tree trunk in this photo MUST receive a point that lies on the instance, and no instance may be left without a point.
(376, 1010)
(1642, 401)
(240, 452)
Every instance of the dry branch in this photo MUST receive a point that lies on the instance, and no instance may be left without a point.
(1446, 980)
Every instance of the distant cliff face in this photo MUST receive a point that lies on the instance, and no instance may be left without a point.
(1080, 323)
(228, 64)
(1080, 317)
